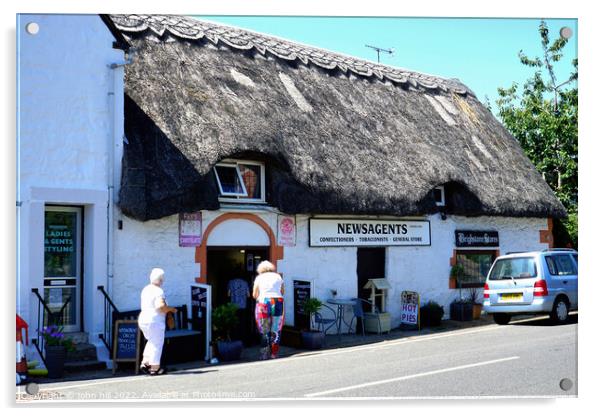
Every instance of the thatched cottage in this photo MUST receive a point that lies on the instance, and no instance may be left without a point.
(239, 146)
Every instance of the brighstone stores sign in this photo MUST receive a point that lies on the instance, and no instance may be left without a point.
(344, 232)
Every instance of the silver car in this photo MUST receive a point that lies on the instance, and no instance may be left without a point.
(532, 283)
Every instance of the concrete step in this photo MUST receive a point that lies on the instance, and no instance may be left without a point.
(82, 352)
(77, 337)
(86, 365)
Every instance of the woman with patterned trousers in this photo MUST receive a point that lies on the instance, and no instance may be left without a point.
(268, 290)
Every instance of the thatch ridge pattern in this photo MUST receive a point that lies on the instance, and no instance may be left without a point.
(194, 29)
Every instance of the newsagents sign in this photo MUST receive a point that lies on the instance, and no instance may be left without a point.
(344, 232)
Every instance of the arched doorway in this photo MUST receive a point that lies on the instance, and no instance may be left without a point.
(232, 246)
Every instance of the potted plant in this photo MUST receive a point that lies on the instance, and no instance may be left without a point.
(461, 310)
(476, 305)
(312, 339)
(56, 347)
(431, 314)
(455, 276)
(224, 320)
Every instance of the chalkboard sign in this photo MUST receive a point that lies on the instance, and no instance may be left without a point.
(200, 309)
(126, 343)
(301, 292)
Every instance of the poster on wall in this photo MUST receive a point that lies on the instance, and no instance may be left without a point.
(287, 231)
(410, 310)
(190, 228)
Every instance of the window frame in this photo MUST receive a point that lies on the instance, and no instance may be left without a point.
(492, 253)
(239, 198)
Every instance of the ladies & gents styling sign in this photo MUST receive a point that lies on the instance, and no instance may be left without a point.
(344, 232)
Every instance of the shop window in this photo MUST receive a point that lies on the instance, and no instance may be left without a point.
(475, 265)
(240, 181)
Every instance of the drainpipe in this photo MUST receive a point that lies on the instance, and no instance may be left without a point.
(115, 140)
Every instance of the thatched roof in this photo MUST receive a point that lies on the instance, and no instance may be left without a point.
(339, 135)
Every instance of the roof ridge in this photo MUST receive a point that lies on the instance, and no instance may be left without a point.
(186, 27)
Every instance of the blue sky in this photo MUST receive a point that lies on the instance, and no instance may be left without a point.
(482, 53)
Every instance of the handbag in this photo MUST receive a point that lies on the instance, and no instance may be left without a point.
(170, 320)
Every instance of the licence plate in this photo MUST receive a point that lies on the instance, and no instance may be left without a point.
(512, 296)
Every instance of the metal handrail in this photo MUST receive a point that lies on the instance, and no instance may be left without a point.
(36, 292)
(107, 335)
(53, 318)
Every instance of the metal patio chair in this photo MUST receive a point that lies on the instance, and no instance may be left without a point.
(358, 313)
(324, 323)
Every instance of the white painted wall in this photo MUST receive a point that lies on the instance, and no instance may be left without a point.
(70, 119)
(142, 246)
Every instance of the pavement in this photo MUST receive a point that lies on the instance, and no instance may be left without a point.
(251, 354)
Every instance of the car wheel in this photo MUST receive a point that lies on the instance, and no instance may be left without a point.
(501, 318)
(560, 311)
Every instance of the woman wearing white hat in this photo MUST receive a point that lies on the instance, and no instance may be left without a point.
(152, 322)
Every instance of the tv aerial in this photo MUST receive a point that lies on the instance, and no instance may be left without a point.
(378, 50)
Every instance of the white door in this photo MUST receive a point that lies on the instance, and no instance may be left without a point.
(62, 264)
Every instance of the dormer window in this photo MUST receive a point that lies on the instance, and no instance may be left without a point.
(439, 192)
(240, 180)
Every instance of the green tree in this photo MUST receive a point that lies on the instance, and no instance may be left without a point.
(543, 118)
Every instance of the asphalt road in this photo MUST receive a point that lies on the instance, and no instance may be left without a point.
(527, 359)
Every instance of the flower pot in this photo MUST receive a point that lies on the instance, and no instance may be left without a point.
(372, 319)
(55, 360)
(452, 282)
(460, 311)
(476, 311)
(312, 340)
(229, 350)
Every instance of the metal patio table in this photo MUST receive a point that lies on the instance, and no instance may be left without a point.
(340, 304)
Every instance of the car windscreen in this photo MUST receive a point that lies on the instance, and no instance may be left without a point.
(514, 268)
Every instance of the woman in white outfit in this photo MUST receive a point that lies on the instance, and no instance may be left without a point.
(152, 322)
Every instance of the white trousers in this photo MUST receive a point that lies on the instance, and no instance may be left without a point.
(155, 335)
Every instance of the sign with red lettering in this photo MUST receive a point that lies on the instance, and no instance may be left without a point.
(410, 308)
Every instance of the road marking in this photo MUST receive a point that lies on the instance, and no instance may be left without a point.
(428, 373)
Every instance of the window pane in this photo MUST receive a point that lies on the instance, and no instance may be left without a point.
(475, 266)
(228, 177)
(564, 264)
(60, 233)
(551, 265)
(517, 268)
(56, 297)
(251, 176)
